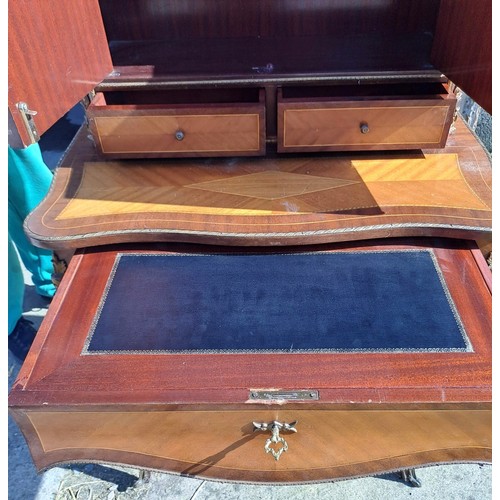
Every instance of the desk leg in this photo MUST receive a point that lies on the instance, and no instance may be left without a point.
(409, 476)
(144, 477)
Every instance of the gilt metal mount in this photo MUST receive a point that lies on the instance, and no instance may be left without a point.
(275, 427)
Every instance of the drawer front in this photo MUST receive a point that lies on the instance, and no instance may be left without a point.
(161, 131)
(225, 445)
(211, 134)
(370, 125)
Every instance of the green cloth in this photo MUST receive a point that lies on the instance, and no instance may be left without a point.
(29, 180)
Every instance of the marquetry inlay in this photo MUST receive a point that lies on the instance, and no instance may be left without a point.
(204, 133)
(404, 125)
(275, 187)
(272, 185)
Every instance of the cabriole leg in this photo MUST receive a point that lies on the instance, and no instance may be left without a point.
(409, 476)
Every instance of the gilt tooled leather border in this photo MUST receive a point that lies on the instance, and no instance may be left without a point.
(468, 345)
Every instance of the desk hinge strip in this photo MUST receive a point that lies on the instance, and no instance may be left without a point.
(27, 117)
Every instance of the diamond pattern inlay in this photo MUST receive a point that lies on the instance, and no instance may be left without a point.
(272, 184)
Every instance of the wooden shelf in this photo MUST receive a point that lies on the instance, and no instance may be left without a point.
(321, 57)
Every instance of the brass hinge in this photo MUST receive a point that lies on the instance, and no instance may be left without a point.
(27, 117)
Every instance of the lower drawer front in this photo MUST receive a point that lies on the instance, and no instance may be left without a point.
(223, 444)
(373, 125)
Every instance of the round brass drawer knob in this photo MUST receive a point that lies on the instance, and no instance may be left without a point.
(364, 128)
(179, 135)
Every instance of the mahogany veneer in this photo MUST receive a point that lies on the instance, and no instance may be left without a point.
(47, 70)
(218, 444)
(466, 59)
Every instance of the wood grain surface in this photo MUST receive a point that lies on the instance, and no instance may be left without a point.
(337, 126)
(276, 200)
(142, 131)
(53, 60)
(56, 371)
(193, 413)
(153, 19)
(462, 47)
(253, 39)
(213, 444)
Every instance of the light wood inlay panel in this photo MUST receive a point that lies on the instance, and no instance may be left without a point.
(150, 130)
(429, 167)
(328, 185)
(272, 185)
(390, 126)
(215, 443)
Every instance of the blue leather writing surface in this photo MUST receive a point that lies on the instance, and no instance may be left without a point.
(319, 302)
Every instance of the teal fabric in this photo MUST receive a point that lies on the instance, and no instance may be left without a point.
(29, 180)
(16, 287)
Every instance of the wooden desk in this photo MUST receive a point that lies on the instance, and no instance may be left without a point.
(277, 200)
(264, 127)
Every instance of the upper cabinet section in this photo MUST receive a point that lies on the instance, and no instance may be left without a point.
(268, 39)
(57, 53)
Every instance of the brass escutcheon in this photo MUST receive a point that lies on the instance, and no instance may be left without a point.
(275, 427)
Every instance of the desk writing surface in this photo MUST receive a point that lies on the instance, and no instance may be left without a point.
(347, 302)
(398, 354)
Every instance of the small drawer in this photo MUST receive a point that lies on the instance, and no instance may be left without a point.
(173, 130)
(363, 123)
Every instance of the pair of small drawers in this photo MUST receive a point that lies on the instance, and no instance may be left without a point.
(305, 122)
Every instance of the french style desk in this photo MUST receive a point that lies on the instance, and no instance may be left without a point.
(275, 230)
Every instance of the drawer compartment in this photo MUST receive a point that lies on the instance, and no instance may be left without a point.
(215, 444)
(309, 122)
(176, 129)
(263, 201)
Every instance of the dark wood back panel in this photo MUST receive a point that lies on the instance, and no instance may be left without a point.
(179, 39)
(181, 19)
(463, 47)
